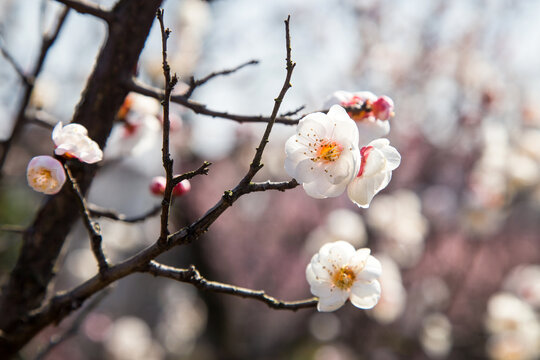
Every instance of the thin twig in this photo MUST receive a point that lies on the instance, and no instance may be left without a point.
(98, 211)
(85, 7)
(46, 43)
(294, 112)
(193, 84)
(166, 155)
(41, 118)
(202, 170)
(75, 325)
(198, 108)
(93, 228)
(269, 185)
(193, 276)
(17, 229)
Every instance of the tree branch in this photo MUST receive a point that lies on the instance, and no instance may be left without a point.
(198, 108)
(93, 228)
(193, 84)
(202, 170)
(85, 7)
(26, 79)
(98, 211)
(46, 43)
(193, 276)
(268, 185)
(166, 155)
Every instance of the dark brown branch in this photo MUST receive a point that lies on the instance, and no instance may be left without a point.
(93, 228)
(85, 7)
(198, 108)
(26, 79)
(166, 155)
(294, 112)
(193, 84)
(269, 185)
(46, 43)
(98, 211)
(193, 276)
(74, 327)
(202, 170)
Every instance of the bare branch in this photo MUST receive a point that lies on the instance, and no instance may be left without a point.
(17, 229)
(193, 84)
(98, 211)
(193, 276)
(26, 79)
(202, 170)
(40, 118)
(198, 108)
(294, 112)
(269, 185)
(92, 227)
(85, 7)
(166, 155)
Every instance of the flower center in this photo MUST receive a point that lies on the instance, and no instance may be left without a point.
(43, 179)
(364, 153)
(344, 278)
(328, 151)
(357, 108)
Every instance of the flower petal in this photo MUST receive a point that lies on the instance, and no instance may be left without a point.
(362, 189)
(322, 189)
(333, 302)
(372, 270)
(365, 295)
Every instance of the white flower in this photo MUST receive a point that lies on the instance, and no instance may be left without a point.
(339, 272)
(323, 155)
(45, 174)
(378, 161)
(72, 141)
(369, 112)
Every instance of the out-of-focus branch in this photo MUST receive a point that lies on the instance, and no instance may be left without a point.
(46, 43)
(75, 325)
(294, 112)
(198, 108)
(26, 79)
(92, 227)
(193, 276)
(98, 211)
(40, 118)
(193, 84)
(17, 229)
(85, 7)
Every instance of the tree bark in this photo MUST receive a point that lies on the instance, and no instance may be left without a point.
(27, 285)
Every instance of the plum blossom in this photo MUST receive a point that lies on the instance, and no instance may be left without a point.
(158, 183)
(369, 111)
(45, 174)
(72, 141)
(378, 161)
(323, 155)
(339, 272)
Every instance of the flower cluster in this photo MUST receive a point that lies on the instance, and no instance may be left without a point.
(46, 174)
(331, 152)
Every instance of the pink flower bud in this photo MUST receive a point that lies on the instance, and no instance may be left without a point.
(181, 188)
(157, 185)
(45, 174)
(383, 108)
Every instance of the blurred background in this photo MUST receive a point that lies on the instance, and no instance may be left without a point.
(457, 230)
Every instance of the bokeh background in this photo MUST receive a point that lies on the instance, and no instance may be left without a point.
(457, 230)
